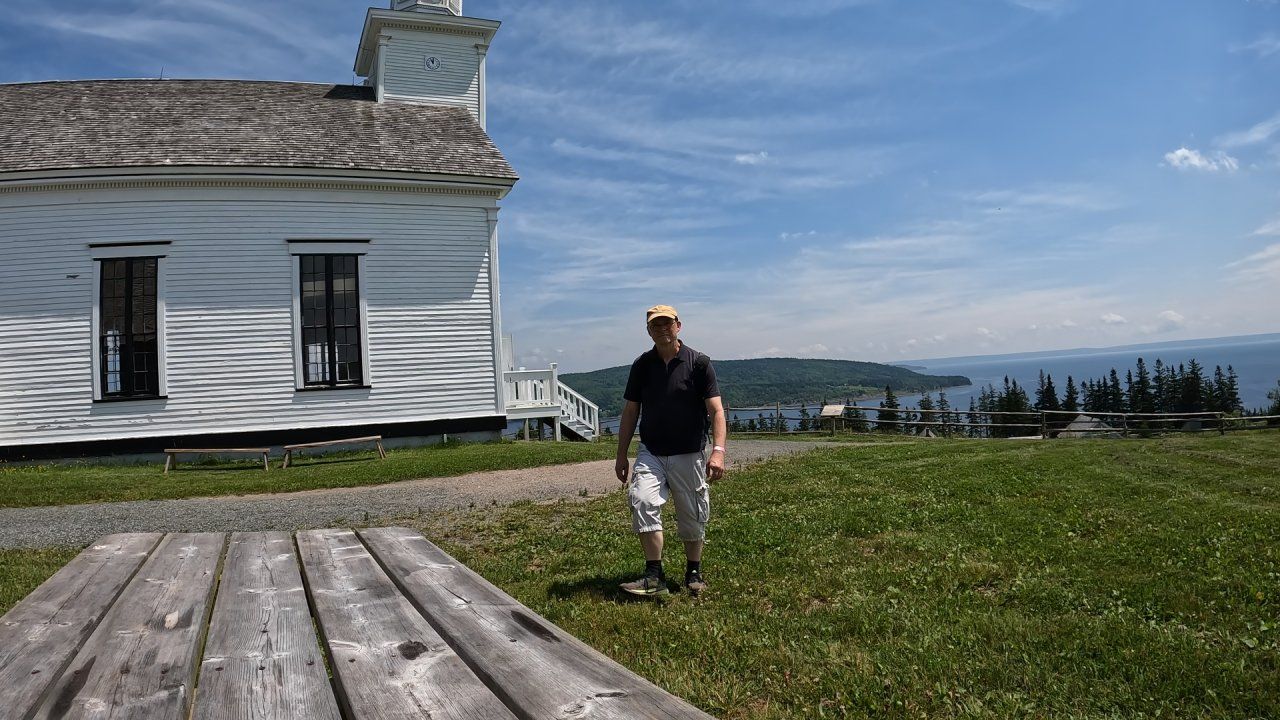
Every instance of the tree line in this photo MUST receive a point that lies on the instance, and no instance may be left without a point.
(1160, 388)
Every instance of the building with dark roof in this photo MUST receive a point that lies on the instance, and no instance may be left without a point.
(209, 263)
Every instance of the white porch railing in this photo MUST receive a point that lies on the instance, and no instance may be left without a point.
(540, 394)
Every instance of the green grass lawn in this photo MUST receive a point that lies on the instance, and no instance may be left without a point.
(63, 484)
(942, 578)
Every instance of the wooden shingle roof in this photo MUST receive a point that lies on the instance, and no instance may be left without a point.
(234, 123)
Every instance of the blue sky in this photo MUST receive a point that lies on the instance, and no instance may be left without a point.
(863, 179)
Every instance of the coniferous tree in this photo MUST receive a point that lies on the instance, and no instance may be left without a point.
(1232, 397)
(1047, 394)
(855, 419)
(1142, 400)
(1160, 387)
(973, 419)
(945, 416)
(1274, 396)
(805, 424)
(1192, 387)
(1115, 395)
(888, 415)
(1216, 391)
(926, 403)
(1071, 396)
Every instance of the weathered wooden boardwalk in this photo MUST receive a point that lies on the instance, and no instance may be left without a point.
(377, 623)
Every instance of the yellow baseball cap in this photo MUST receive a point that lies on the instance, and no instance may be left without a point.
(658, 311)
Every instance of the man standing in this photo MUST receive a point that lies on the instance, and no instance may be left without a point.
(672, 390)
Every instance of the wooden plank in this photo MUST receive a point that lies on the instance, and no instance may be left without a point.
(387, 661)
(141, 660)
(261, 658)
(41, 634)
(346, 441)
(527, 661)
(208, 451)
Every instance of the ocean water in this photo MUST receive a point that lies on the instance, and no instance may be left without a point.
(1256, 361)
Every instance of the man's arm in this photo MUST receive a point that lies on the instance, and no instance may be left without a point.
(719, 431)
(626, 428)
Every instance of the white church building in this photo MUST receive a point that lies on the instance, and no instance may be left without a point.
(210, 263)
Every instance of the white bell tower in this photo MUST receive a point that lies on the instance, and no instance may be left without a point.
(427, 52)
(450, 7)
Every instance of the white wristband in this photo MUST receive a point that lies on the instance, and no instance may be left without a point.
(717, 447)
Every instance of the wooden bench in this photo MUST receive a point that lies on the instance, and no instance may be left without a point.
(171, 455)
(288, 449)
(131, 625)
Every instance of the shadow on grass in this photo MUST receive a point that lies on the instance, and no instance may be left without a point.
(329, 461)
(603, 588)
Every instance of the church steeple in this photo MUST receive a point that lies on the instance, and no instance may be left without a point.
(426, 51)
(449, 7)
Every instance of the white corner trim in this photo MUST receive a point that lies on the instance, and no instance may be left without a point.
(295, 266)
(482, 50)
(383, 41)
(95, 322)
(495, 307)
(162, 373)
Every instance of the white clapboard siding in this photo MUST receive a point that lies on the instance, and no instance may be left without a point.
(455, 82)
(228, 296)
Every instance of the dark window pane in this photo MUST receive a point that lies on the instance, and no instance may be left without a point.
(329, 295)
(128, 307)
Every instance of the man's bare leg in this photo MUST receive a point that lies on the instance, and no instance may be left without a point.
(652, 544)
(693, 550)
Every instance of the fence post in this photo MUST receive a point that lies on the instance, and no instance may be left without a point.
(1222, 423)
(777, 421)
(1124, 425)
(1044, 426)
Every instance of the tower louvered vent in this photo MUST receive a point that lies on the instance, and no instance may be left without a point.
(449, 7)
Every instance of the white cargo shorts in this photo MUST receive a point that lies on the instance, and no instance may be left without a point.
(658, 478)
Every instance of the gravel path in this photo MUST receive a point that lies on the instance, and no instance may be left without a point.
(78, 525)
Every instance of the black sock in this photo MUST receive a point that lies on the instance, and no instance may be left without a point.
(692, 566)
(653, 568)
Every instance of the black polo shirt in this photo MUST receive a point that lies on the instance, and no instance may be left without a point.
(672, 397)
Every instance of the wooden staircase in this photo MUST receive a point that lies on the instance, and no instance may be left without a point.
(540, 396)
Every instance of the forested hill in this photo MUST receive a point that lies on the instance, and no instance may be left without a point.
(765, 381)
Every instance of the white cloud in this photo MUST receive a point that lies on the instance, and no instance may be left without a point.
(795, 235)
(1046, 197)
(1171, 320)
(1051, 7)
(1187, 159)
(751, 158)
(1113, 319)
(1264, 46)
(1263, 266)
(1271, 228)
(1259, 133)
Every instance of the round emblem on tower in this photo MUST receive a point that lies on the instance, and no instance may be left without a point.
(432, 63)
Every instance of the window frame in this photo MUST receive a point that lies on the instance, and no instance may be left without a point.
(99, 252)
(359, 248)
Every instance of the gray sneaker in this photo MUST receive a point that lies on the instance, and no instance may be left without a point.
(695, 583)
(647, 586)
